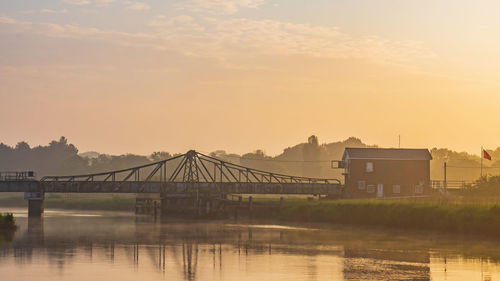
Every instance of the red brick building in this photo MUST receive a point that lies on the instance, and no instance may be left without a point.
(386, 172)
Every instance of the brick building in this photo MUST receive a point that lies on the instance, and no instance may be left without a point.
(386, 172)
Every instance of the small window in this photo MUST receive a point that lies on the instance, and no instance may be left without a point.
(369, 167)
(419, 189)
(361, 185)
(396, 188)
(370, 188)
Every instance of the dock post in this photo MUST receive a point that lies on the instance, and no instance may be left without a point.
(154, 208)
(164, 205)
(208, 206)
(250, 205)
(237, 207)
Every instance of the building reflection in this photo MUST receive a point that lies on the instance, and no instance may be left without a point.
(386, 264)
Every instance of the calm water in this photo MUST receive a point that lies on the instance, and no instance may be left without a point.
(120, 246)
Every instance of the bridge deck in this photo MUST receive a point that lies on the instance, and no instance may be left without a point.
(169, 187)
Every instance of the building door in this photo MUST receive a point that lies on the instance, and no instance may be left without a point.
(380, 190)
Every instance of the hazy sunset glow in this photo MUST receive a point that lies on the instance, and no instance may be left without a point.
(125, 76)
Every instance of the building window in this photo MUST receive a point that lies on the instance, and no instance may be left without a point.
(361, 185)
(370, 188)
(369, 167)
(396, 188)
(419, 189)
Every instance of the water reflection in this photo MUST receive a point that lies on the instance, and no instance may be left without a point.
(109, 246)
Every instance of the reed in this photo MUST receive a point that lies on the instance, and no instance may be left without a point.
(467, 218)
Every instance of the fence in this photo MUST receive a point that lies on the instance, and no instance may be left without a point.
(450, 184)
(17, 176)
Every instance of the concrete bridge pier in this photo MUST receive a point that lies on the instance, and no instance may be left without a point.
(36, 203)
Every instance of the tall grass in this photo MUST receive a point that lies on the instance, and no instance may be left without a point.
(451, 217)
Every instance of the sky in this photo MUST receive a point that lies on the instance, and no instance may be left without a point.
(140, 76)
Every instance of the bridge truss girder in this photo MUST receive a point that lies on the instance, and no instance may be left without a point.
(191, 167)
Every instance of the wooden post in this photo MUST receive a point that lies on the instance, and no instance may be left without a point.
(237, 207)
(250, 205)
(164, 206)
(154, 208)
(445, 182)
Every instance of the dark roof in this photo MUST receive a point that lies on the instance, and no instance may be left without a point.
(387, 153)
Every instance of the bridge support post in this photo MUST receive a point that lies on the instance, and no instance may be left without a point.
(164, 206)
(36, 203)
(250, 206)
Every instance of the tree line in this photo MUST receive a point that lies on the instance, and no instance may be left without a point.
(310, 158)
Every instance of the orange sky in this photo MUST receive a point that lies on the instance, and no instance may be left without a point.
(240, 75)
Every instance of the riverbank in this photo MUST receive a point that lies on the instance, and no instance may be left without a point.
(463, 218)
(442, 216)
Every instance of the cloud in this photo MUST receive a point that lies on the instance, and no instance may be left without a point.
(220, 6)
(236, 41)
(181, 22)
(7, 20)
(103, 3)
(50, 11)
(76, 2)
(235, 38)
(138, 6)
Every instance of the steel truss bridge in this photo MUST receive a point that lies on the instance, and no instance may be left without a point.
(192, 172)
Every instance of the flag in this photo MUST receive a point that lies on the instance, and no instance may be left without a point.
(486, 155)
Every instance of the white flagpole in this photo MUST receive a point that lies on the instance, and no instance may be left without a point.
(481, 155)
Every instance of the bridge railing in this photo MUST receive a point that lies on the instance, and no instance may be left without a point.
(17, 175)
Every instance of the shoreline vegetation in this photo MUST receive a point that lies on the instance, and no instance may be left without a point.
(7, 227)
(7, 222)
(473, 210)
(451, 217)
(443, 216)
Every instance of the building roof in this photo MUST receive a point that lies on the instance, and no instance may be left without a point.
(387, 153)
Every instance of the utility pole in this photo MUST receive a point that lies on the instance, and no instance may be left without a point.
(445, 182)
(399, 141)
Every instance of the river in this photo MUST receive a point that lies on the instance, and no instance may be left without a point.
(80, 245)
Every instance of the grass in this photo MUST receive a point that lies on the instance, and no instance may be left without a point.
(467, 218)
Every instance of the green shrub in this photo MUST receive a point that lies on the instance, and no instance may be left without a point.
(7, 220)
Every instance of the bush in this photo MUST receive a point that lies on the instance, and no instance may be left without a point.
(7, 220)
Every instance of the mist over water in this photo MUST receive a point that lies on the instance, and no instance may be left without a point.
(77, 245)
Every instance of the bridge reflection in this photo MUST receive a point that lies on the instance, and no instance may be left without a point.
(137, 247)
(204, 251)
